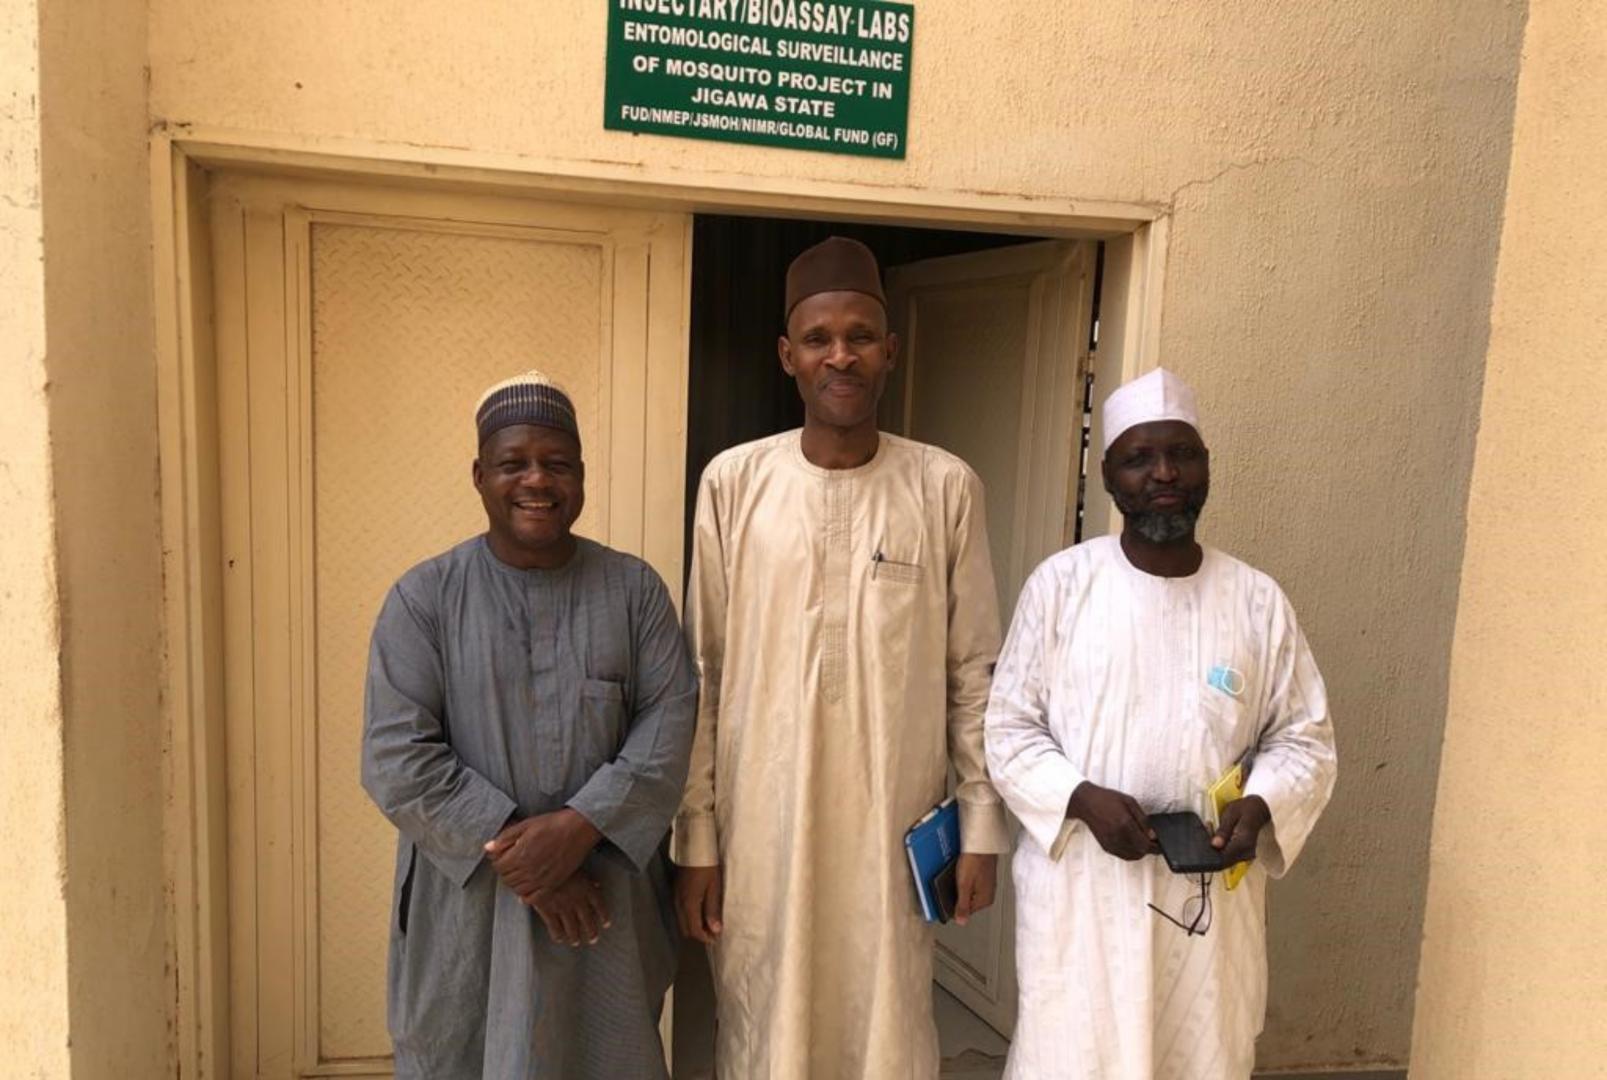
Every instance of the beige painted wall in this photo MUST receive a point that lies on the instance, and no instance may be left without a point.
(33, 908)
(1337, 172)
(98, 309)
(1515, 943)
(81, 875)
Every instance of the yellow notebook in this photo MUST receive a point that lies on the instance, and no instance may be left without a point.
(1228, 786)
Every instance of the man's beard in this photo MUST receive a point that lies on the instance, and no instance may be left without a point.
(1163, 526)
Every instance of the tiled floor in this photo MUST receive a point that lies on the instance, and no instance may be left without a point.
(971, 1049)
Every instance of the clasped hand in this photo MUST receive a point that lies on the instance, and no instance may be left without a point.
(539, 859)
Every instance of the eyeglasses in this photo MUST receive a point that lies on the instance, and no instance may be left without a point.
(1196, 913)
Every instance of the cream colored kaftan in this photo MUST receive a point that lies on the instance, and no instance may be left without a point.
(844, 623)
(1152, 686)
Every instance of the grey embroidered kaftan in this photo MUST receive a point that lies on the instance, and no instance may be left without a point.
(493, 690)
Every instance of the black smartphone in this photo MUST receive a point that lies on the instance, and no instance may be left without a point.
(1185, 843)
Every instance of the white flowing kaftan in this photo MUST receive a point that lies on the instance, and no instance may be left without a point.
(844, 623)
(1107, 676)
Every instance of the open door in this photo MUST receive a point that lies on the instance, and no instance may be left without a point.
(356, 327)
(995, 345)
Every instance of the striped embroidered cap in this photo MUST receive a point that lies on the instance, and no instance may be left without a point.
(530, 398)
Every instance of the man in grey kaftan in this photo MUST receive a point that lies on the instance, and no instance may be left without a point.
(498, 694)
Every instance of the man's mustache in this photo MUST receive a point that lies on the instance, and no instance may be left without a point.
(832, 380)
(1187, 494)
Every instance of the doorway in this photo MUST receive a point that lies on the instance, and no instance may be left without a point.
(275, 266)
(997, 334)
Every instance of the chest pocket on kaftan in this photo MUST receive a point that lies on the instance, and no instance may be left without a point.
(896, 559)
(1230, 702)
(893, 593)
(889, 572)
(594, 739)
(602, 704)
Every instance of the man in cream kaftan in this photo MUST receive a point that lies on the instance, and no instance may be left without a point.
(844, 623)
(1150, 685)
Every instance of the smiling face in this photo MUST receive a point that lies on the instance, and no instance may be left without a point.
(532, 482)
(838, 350)
(1159, 475)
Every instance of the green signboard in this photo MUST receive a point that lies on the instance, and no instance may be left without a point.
(807, 74)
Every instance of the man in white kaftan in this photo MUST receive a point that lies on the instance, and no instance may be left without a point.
(844, 621)
(1138, 669)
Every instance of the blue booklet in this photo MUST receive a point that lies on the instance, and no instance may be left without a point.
(933, 847)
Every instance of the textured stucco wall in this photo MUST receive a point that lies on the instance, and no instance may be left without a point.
(1514, 963)
(33, 909)
(1337, 172)
(98, 311)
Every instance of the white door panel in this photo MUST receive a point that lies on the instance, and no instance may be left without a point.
(994, 348)
(356, 328)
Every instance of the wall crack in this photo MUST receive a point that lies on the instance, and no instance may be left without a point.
(1233, 167)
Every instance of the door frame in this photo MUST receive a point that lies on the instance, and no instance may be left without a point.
(184, 161)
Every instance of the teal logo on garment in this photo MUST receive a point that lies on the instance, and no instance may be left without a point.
(1228, 680)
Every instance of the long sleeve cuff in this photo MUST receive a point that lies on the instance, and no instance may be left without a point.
(606, 801)
(983, 828)
(696, 842)
(489, 819)
(1068, 829)
(1276, 853)
(1042, 810)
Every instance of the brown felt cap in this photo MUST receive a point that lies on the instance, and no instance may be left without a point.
(836, 264)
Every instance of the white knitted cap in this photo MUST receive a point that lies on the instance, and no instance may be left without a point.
(1159, 395)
